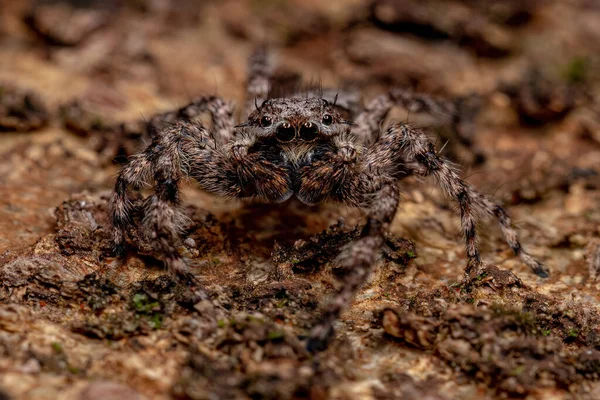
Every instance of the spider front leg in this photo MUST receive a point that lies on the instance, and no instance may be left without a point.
(403, 142)
(220, 111)
(131, 136)
(459, 113)
(189, 150)
(343, 173)
(164, 162)
(368, 123)
(357, 262)
(259, 79)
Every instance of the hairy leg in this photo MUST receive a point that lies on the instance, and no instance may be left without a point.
(459, 114)
(220, 111)
(403, 142)
(164, 162)
(467, 108)
(259, 79)
(339, 173)
(135, 174)
(189, 150)
(368, 123)
(511, 237)
(130, 137)
(357, 263)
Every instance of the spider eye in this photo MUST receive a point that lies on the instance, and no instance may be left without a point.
(266, 121)
(285, 132)
(327, 119)
(309, 131)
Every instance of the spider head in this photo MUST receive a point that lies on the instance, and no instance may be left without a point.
(296, 119)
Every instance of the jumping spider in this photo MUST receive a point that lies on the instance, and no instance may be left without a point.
(294, 146)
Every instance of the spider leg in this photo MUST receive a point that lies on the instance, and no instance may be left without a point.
(164, 162)
(241, 169)
(259, 79)
(220, 111)
(189, 150)
(357, 263)
(467, 108)
(135, 174)
(510, 235)
(163, 222)
(368, 123)
(133, 135)
(460, 114)
(369, 180)
(346, 174)
(370, 120)
(413, 143)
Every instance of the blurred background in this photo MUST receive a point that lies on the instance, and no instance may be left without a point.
(78, 80)
(523, 74)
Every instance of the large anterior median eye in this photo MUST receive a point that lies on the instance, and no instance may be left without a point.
(285, 132)
(266, 121)
(309, 131)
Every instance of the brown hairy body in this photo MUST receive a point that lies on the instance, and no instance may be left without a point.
(302, 147)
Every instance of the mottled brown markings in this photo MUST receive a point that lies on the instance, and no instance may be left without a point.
(358, 165)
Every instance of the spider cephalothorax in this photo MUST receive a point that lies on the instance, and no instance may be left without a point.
(298, 134)
(295, 120)
(296, 146)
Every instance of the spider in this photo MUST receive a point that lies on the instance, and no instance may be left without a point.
(295, 146)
